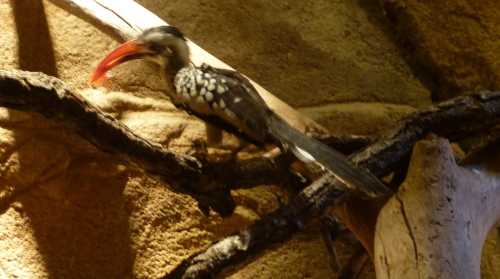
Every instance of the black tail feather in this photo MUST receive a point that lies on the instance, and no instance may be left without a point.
(309, 149)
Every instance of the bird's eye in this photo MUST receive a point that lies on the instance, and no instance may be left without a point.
(157, 48)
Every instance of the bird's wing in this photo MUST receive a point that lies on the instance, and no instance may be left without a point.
(239, 77)
(242, 100)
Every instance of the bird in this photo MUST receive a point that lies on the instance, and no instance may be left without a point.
(225, 98)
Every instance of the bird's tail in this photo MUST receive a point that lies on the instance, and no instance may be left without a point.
(309, 150)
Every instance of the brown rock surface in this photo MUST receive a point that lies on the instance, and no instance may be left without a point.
(357, 118)
(305, 52)
(456, 41)
(490, 267)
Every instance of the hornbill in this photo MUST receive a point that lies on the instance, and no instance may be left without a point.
(228, 100)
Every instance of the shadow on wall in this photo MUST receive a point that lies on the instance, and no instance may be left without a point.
(34, 42)
(69, 195)
(424, 73)
(75, 208)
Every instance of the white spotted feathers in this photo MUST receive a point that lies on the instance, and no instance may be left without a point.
(202, 92)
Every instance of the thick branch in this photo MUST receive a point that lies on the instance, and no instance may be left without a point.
(37, 92)
(437, 223)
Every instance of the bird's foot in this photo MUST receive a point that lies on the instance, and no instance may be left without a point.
(174, 133)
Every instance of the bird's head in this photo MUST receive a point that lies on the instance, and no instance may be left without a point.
(164, 45)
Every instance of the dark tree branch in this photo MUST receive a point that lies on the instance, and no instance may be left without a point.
(37, 92)
(50, 97)
(455, 119)
(273, 228)
(207, 182)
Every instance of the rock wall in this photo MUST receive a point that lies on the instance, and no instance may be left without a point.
(455, 41)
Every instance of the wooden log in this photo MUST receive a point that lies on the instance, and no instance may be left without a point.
(436, 224)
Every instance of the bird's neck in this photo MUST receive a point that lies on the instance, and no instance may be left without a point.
(179, 58)
(175, 64)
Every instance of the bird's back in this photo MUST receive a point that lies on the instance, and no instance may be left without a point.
(224, 97)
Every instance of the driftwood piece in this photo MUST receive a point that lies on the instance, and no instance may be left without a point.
(436, 224)
(454, 119)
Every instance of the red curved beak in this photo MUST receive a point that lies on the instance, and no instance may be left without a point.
(125, 52)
